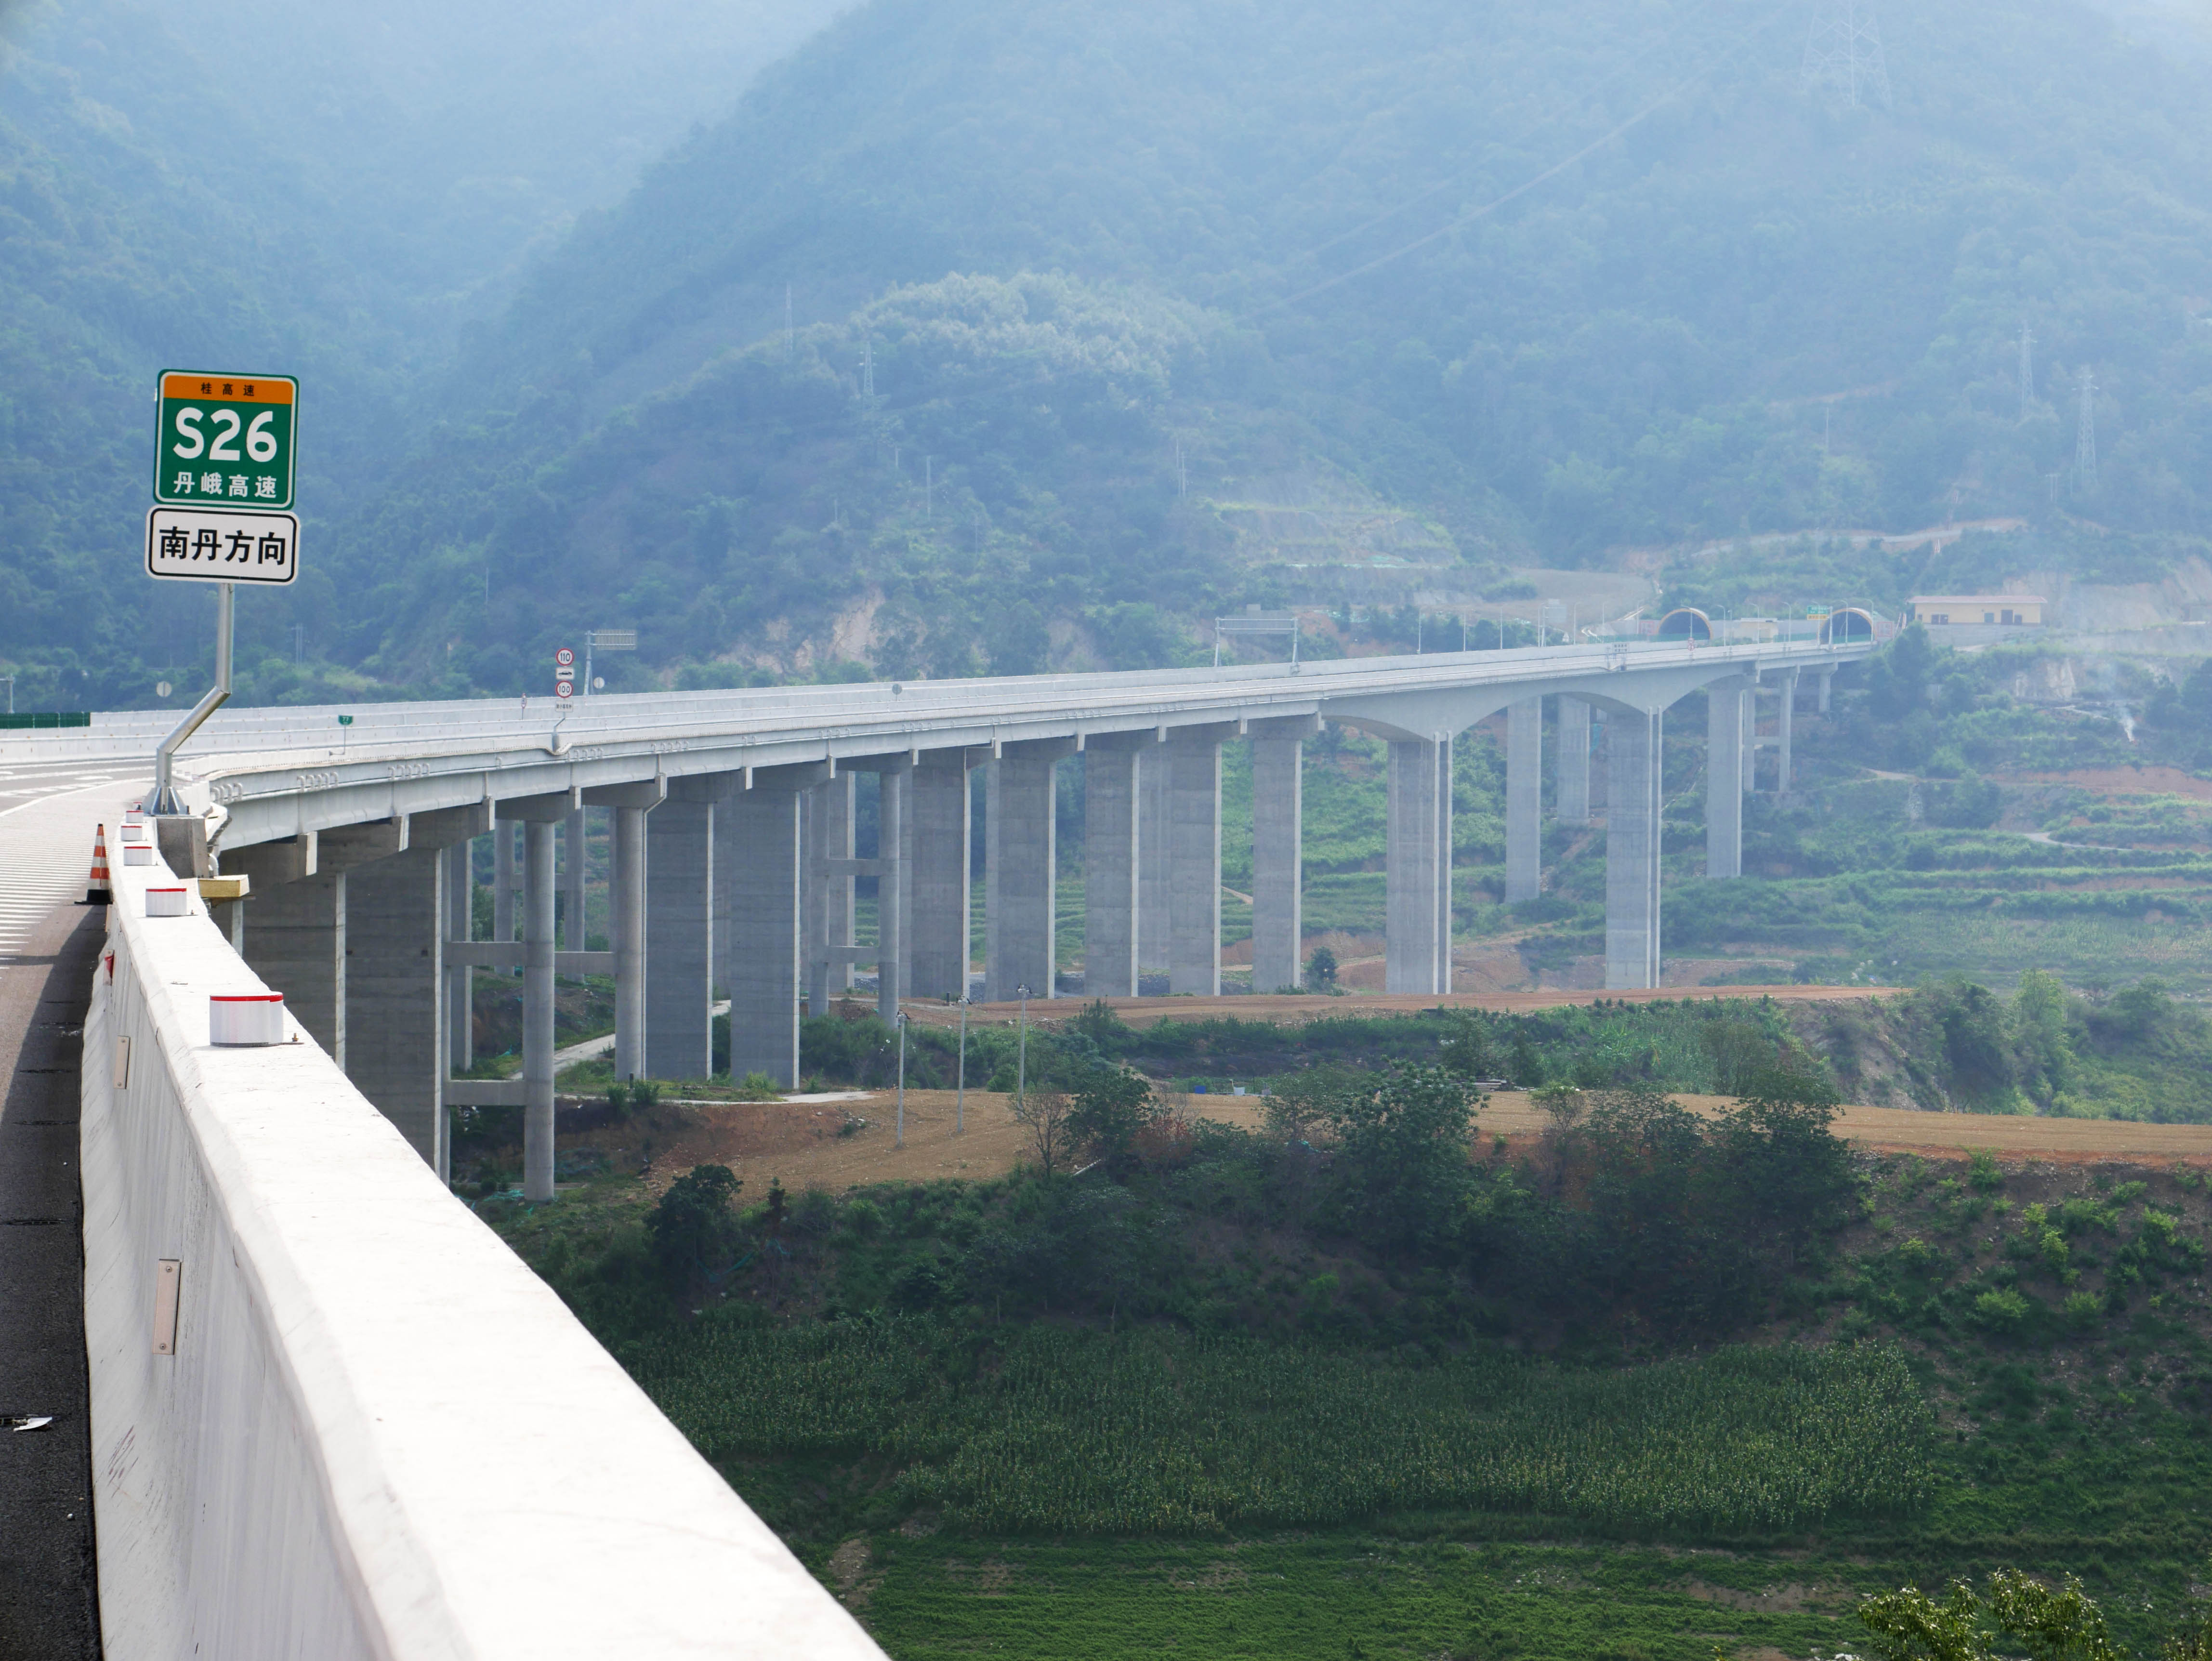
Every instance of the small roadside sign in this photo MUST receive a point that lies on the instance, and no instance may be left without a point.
(564, 673)
(198, 545)
(227, 438)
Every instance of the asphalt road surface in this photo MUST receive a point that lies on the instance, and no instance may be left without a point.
(49, 944)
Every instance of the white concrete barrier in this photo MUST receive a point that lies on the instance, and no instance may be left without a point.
(375, 1432)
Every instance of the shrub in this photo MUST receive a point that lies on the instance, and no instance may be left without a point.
(2001, 1310)
(693, 1223)
(758, 1087)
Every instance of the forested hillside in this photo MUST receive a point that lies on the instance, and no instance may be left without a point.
(1750, 310)
(328, 192)
(1173, 310)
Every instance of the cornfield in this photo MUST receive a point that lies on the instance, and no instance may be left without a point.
(1071, 1432)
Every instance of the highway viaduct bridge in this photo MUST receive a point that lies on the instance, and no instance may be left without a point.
(361, 1427)
(733, 838)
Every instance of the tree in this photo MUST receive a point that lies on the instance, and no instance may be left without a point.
(1045, 1114)
(1792, 1176)
(1465, 1052)
(2040, 1040)
(2065, 1625)
(1111, 1105)
(693, 1222)
(1402, 1146)
(1320, 970)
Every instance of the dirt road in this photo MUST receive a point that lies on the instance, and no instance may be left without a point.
(1284, 1009)
(804, 1145)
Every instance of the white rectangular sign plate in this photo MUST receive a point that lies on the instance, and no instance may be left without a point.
(200, 545)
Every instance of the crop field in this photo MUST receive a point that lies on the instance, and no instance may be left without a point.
(1061, 1433)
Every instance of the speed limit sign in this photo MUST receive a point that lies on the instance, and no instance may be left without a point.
(564, 657)
(564, 673)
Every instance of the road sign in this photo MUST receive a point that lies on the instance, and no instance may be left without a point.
(564, 673)
(564, 657)
(226, 437)
(200, 545)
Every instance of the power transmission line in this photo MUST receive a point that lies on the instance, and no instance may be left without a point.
(1843, 54)
(1520, 190)
(1639, 60)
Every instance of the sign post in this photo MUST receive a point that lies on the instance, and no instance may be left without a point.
(223, 478)
(564, 673)
(604, 640)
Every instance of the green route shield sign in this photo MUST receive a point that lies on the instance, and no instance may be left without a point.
(226, 439)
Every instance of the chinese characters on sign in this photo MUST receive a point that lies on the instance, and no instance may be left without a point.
(208, 546)
(226, 436)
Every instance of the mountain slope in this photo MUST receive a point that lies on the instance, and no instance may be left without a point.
(1748, 308)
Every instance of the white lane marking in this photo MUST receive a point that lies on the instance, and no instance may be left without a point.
(45, 860)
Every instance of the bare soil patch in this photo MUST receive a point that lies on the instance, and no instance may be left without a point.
(2121, 780)
(1283, 1009)
(804, 1145)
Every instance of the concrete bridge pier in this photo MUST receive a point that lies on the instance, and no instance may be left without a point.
(632, 806)
(1113, 845)
(1751, 735)
(459, 879)
(1193, 755)
(1155, 947)
(1570, 805)
(295, 933)
(502, 882)
(1020, 869)
(538, 883)
(756, 872)
(1724, 753)
(395, 956)
(891, 840)
(1278, 859)
(1632, 850)
(938, 828)
(1416, 860)
(828, 831)
(1524, 799)
(680, 906)
(574, 917)
(1787, 713)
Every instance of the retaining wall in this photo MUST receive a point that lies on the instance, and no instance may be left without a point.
(379, 1434)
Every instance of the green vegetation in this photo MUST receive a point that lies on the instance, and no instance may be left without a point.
(1059, 1433)
(1216, 1391)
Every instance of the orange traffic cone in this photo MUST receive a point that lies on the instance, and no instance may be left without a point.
(98, 894)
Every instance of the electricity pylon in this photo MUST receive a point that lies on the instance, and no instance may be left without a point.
(2085, 437)
(1843, 55)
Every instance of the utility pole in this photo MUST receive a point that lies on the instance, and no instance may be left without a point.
(1022, 1054)
(2085, 437)
(868, 369)
(2026, 370)
(1844, 56)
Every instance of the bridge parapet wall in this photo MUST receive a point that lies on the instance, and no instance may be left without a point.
(379, 1434)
